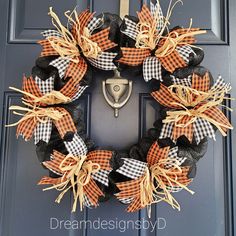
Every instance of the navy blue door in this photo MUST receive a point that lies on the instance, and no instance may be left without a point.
(25, 210)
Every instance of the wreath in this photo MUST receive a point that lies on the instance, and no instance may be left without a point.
(165, 160)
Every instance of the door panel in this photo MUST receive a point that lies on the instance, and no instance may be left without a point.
(26, 210)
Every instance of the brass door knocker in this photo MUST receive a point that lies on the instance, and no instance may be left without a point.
(114, 89)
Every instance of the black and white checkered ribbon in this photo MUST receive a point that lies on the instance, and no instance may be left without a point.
(94, 24)
(61, 64)
(130, 28)
(51, 33)
(76, 147)
(201, 129)
(87, 203)
(80, 91)
(46, 86)
(132, 168)
(184, 81)
(102, 176)
(185, 52)
(174, 158)
(43, 131)
(219, 84)
(156, 11)
(166, 131)
(174, 189)
(152, 69)
(104, 61)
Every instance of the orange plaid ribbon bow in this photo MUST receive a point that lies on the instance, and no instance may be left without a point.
(193, 109)
(163, 174)
(78, 174)
(72, 45)
(40, 109)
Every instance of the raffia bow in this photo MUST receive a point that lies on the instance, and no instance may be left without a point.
(154, 48)
(77, 173)
(149, 37)
(199, 102)
(153, 186)
(40, 108)
(174, 39)
(75, 43)
(38, 114)
(52, 98)
(67, 45)
(155, 181)
(193, 110)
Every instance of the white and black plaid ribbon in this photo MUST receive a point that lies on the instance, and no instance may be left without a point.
(61, 64)
(76, 147)
(203, 128)
(94, 24)
(185, 52)
(132, 168)
(104, 61)
(45, 86)
(174, 158)
(219, 84)
(174, 189)
(79, 92)
(131, 28)
(102, 176)
(166, 131)
(87, 203)
(156, 11)
(184, 81)
(43, 131)
(51, 33)
(152, 69)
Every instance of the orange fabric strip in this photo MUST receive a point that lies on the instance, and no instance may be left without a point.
(134, 56)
